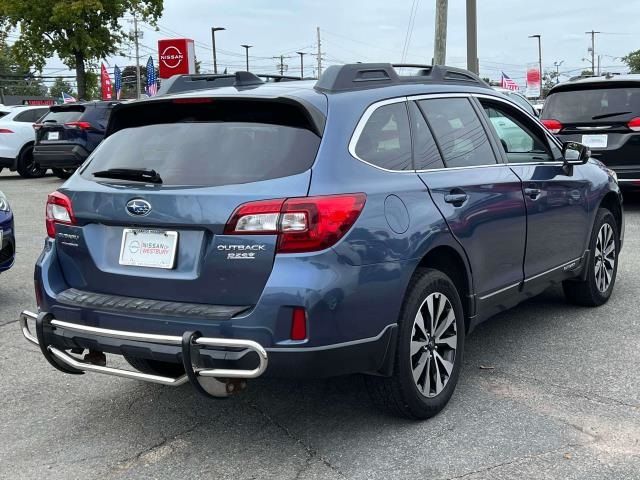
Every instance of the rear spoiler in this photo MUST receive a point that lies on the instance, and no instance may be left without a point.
(156, 110)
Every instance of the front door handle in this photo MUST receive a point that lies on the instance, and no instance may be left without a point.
(533, 193)
(456, 198)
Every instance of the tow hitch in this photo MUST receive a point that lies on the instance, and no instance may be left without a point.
(210, 382)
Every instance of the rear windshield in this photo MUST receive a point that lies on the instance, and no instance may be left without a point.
(208, 153)
(610, 104)
(62, 116)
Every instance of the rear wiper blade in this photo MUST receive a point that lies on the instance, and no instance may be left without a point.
(605, 115)
(134, 174)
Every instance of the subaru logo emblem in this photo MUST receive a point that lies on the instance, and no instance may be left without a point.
(138, 207)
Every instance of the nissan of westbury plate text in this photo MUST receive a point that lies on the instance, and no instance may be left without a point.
(363, 223)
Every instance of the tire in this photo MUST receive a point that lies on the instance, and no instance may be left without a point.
(27, 167)
(602, 265)
(63, 173)
(155, 367)
(400, 394)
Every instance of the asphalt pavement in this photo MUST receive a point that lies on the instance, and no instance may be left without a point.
(548, 391)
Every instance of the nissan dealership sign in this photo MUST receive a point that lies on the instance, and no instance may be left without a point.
(176, 56)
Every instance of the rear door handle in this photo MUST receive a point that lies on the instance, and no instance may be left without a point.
(533, 193)
(456, 199)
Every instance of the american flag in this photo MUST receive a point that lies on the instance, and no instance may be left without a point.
(507, 83)
(66, 98)
(152, 81)
(117, 75)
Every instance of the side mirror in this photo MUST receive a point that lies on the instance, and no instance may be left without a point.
(575, 153)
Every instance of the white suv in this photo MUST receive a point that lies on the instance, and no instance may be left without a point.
(16, 139)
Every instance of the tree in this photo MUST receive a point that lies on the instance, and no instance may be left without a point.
(633, 61)
(78, 31)
(16, 79)
(549, 80)
(60, 85)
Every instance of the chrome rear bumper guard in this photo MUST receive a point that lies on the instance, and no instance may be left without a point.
(216, 382)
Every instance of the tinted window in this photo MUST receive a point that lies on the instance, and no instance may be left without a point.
(385, 140)
(519, 142)
(28, 116)
(523, 102)
(610, 104)
(459, 133)
(208, 153)
(63, 116)
(425, 151)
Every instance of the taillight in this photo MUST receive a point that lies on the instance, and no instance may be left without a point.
(304, 224)
(5, 130)
(80, 125)
(554, 126)
(634, 124)
(37, 126)
(59, 210)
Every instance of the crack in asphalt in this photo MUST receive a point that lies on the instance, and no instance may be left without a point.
(515, 460)
(311, 452)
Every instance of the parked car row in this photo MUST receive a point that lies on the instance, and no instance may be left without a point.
(363, 223)
(60, 138)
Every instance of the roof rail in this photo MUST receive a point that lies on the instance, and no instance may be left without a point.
(358, 76)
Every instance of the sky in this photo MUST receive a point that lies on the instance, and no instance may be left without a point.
(376, 30)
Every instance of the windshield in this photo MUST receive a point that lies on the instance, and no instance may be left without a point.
(608, 104)
(208, 153)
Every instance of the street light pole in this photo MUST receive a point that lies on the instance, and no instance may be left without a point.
(557, 65)
(302, 54)
(539, 37)
(593, 51)
(246, 53)
(213, 45)
(472, 37)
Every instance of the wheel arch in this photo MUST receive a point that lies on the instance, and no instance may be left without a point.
(451, 262)
(611, 201)
(30, 143)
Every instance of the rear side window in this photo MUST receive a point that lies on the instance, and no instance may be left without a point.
(29, 116)
(385, 140)
(610, 104)
(459, 133)
(211, 145)
(425, 151)
(62, 116)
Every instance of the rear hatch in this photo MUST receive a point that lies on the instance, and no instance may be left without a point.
(164, 238)
(605, 116)
(62, 125)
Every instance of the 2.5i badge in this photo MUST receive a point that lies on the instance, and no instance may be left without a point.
(240, 251)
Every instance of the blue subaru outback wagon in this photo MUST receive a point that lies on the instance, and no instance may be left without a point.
(363, 223)
(7, 236)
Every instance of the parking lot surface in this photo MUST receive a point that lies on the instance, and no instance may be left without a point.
(547, 391)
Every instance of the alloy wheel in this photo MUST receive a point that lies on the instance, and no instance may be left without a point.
(434, 340)
(605, 257)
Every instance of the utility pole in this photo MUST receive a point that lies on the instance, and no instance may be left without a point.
(302, 54)
(213, 45)
(539, 37)
(593, 51)
(319, 53)
(472, 37)
(440, 42)
(599, 56)
(136, 35)
(246, 53)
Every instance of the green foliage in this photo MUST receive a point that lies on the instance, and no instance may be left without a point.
(78, 31)
(549, 80)
(633, 61)
(60, 85)
(16, 79)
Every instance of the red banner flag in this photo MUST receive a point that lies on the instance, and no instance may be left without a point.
(105, 80)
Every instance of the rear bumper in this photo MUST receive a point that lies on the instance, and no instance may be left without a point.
(6, 162)
(59, 156)
(217, 357)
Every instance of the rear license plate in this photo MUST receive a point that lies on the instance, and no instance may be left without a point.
(148, 248)
(595, 141)
(53, 136)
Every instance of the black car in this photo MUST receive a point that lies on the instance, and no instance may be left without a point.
(68, 134)
(603, 113)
